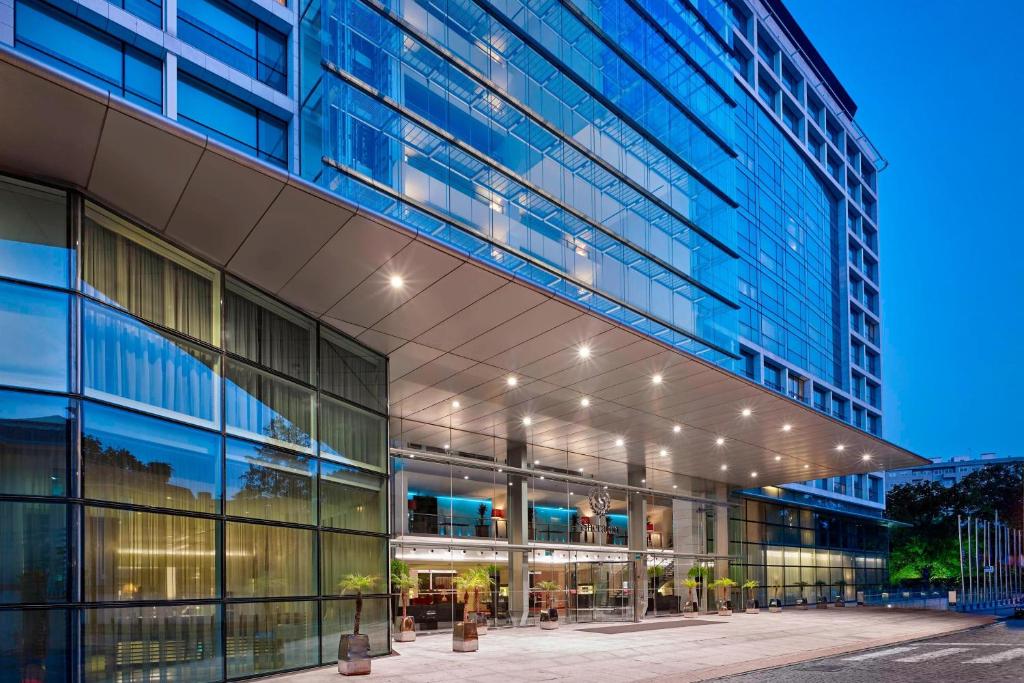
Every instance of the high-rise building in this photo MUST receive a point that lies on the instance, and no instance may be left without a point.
(573, 289)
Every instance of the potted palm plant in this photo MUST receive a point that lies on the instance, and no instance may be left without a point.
(725, 585)
(548, 611)
(801, 602)
(750, 588)
(403, 583)
(654, 574)
(700, 575)
(483, 525)
(775, 604)
(354, 648)
(841, 593)
(822, 601)
(690, 609)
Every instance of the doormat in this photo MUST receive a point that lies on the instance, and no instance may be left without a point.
(648, 626)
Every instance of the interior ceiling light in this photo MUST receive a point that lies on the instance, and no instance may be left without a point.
(456, 404)
(840, 448)
(527, 421)
(720, 441)
(787, 427)
(396, 282)
(584, 351)
(725, 467)
(753, 475)
(778, 458)
(656, 379)
(512, 380)
(677, 429)
(619, 442)
(866, 456)
(746, 412)
(584, 401)
(663, 452)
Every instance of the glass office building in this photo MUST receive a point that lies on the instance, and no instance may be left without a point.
(193, 456)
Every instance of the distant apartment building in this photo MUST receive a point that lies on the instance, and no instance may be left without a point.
(947, 472)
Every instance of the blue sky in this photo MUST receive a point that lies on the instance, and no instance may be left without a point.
(940, 93)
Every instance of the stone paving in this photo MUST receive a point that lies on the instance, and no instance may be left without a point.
(738, 644)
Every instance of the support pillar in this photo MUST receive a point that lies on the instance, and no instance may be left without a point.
(517, 514)
(637, 515)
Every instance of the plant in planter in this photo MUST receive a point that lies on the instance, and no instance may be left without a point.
(841, 594)
(405, 628)
(700, 575)
(725, 586)
(483, 525)
(822, 601)
(752, 606)
(775, 604)
(494, 575)
(548, 611)
(574, 528)
(472, 582)
(354, 648)
(801, 602)
(654, 574)
(690, 609)
(465, 634)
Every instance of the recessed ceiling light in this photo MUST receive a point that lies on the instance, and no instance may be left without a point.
(465, 476)
(512, 380)
(720, 441)
(536, 462)
(396, 282)
(840, 448)
(866, 456)
(527, 421)
(619, 442)
(677, 429)
(581, 470)
(456, 404)
(754, 475)
(584, 351)
(584, 401)
(663, 452)
(746, 412)
(656, 379)
(674, 486)
(500, 470)
(807, 467)
(778, 458)
(787, 427)
(447, 446)
(643, 481)
(725, 467)
(542, 476)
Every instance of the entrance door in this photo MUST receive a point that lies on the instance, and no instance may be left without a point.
(599, 591)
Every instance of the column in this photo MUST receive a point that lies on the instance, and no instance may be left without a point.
(517, 513)
(636, 510)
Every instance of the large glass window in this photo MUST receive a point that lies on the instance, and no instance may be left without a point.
(130, 269)
(34, 538)
(73, 46)
(34, 349)
(33, 233)
(268, 561)
(181, 642)
(147, 556)
(268, 333)
(267, 483)
(271, 636)
(129, 362)
(351, 434)
(345, 554)
(34, 434)
(237, 39)
(339, 617)
(232, 121)
(352, 372)
(351, 499)
(262, 406)
(130, 458)
(33, 646)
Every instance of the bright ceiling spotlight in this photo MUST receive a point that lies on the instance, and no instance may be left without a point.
(674, 486)
(396, 281)
(527, 421)
(656, 379)
(447, 446)
(746, 412)
(643, 481)
(778, 458)
(512, 380)
(840, 448)
(536, 462)
(787, 427)
(866, 456)
(581, 470)
(677, 429)
(725, 467)
(619, 442)
(584, 351)
(720, 441)
(663, 452)
(465, 476)
(753, 475)
(584, 401)
(456, 404)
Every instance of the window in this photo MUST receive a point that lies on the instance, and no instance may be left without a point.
(34, 538)
(773, 377)
(797, 386)
(237, 39)
(267, 483)
(268, 333)
(267, 408)
(131, 458)
(874, 488)
(147, 556)
(33, 233)
(821, 399)
(838, 408)
(150, 11)
(791, 80)
(73, 47)
(338, 618)
(232, 121)
(345, 554)
(265, 561)
(271, 636)
(352, 435)
(33, 444)
(749, 364)
(34, 348)
(352, 372)
(352, 500)
(33, 643)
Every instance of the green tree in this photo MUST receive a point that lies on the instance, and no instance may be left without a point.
(358, 584)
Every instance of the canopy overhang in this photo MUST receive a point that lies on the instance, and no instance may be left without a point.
(454, 331)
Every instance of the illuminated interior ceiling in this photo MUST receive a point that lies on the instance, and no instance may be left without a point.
(454, 329)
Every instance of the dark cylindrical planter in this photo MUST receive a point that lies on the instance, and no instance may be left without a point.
(354, 655)
(405, 630)
(549, 619)
(775, 605)
(691, 610)
(464, 637)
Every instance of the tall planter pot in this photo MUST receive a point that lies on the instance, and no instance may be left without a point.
(480, 620)
(549, 619)
(774, 606)
(464, 637)
(690, 610)
(725, 608)
(354, 655)
(405, 630)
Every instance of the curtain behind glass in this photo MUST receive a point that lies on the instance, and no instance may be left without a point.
(264, 407)
(352, 372)
(349, 433)
(33, 233)
(269, 561)
(259, 329)
(33, 444)
(124, 267)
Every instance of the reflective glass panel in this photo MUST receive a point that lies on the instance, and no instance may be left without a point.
(130, 458)
(271, 636)
(130, 269)
(147, 556)
(262, 406)
(172, 643)
(352, 434)
(33, 233)
(34, 349)
(268, 333)
(339, 618)
(33, 444)
(34, 539)
(351, 499)
(267, 561)
(33, 646)
(126, 361)
(352, 372)
(267, 483)
(345, 554)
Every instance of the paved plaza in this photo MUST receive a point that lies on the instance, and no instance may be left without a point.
(715, 647)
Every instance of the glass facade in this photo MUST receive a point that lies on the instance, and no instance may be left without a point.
(165, 491)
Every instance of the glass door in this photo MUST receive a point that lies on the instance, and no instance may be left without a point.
(599, 591)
